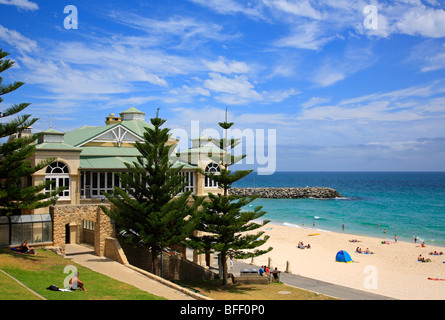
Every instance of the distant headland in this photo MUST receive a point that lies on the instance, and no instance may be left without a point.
(288, 193)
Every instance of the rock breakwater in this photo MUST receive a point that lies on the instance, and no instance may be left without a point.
(288, 193)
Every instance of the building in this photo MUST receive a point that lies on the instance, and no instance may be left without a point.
(87, 161)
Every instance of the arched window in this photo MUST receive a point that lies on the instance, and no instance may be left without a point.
(59, 173)
(211, 168)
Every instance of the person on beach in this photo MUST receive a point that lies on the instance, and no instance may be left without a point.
(343, 227)
(395, 238)
(415, 239)
(422, 259)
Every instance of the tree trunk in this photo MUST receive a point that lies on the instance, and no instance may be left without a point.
(224, 268)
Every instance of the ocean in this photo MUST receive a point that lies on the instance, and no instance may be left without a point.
(377, 204)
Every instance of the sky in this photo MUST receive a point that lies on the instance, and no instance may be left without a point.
(333, 85)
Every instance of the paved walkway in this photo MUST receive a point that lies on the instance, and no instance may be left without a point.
(314, 285)
(86, 257)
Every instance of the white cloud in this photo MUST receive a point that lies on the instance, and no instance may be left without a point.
(301, 8)
(314, 101)
(226, 67)
(181, 32)
(17, 40)
(423, 21)
(21, 4)
(335, 68)
(409, 104)
(232, 7)
(236, 90)
(306, 36)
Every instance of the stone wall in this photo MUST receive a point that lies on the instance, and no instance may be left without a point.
(73, 215)
(288, 193)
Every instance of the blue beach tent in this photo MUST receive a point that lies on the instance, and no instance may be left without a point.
(343, 256)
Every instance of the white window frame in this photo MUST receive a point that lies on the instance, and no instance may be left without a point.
(214, 168)
(190, 179)
(95, 188)
(62, 179)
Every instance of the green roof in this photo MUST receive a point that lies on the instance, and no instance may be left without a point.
(52, 131)
(85, 133)
(110, 151)
(105, 162)
(137, 126)
(56, 146)
(132, 110)
(97, 157)
(119, 163)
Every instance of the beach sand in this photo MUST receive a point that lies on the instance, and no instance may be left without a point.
(392, 271)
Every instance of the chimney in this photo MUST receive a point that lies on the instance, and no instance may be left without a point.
(112, 119)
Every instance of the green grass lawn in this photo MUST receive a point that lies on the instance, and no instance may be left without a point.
(40, 271)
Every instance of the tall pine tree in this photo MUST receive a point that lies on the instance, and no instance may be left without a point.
(226, 226)
(151, 203)
(15, 167)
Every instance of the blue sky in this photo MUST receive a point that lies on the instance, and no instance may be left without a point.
(340, 96)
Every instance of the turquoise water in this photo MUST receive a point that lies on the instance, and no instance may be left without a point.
(405, 204)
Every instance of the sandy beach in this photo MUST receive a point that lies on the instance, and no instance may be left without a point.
(392, 270)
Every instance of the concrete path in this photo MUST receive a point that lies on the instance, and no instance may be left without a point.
(314, 285)
(85, 256)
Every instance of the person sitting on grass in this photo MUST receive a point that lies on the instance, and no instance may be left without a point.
(24, 248)
(76, 283)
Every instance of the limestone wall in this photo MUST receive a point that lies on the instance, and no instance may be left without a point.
(73, 215)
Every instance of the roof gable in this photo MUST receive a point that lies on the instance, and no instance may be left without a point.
(116, 134)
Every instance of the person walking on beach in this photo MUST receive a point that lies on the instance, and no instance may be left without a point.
(415, 239)
(395, 238)
(343, 227)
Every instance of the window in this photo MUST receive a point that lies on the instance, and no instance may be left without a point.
(58, 173)
(188, 178)
(211, 168)
(88, 225)
(92, 184)
(35, 228)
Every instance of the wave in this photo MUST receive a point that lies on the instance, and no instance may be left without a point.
(348, 198)
(293, 225)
